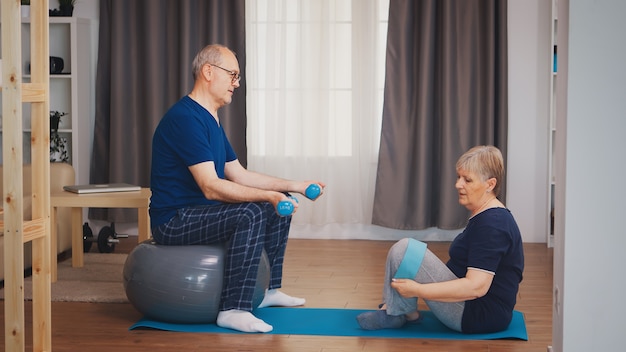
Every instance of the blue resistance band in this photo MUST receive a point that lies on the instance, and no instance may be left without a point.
(412, 260)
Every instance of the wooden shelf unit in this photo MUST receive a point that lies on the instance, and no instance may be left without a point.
(70, 90)
(17, 231)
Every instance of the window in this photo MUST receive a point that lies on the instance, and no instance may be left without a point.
(315, 76)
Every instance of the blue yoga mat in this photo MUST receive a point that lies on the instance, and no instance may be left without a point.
(342, 322)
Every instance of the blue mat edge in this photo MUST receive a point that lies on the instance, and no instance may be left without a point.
(517, 330)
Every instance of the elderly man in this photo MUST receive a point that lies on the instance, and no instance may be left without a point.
(201, 194)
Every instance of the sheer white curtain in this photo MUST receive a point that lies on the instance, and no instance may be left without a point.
(315, 75)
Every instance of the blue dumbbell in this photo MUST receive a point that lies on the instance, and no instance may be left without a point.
(285, 207)
(313, 191)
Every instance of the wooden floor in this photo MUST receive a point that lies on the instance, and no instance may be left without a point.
(329, 274)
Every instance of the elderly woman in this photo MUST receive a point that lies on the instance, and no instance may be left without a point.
(475, 291)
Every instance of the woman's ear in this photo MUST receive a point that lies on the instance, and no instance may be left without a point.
(491, 184)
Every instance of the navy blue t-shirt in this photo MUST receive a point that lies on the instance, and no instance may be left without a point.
(186, 135)
(491, 242)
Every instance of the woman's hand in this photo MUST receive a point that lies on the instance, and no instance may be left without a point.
(406, 288)
(474, 285)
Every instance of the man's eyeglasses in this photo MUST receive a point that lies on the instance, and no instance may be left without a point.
(235, 77)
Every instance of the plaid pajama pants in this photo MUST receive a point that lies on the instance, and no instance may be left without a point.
(248, 228)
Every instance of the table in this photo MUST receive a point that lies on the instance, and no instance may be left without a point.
(134, 199)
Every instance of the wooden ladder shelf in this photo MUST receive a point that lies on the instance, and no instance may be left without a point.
(18, 231)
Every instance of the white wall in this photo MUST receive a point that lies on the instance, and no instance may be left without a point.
(530, 50)
(589, 268)
(83, 8)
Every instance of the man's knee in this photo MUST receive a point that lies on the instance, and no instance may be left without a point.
(255, 211)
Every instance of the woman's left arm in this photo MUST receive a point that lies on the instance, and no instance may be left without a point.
(474, 285)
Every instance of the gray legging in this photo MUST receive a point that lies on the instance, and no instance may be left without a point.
(432, 269)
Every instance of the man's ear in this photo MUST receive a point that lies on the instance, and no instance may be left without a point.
(206, 71)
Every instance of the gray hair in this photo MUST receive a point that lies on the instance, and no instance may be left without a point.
(210, 54)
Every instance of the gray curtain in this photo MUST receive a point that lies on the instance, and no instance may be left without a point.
(445, 91)
(144, 66)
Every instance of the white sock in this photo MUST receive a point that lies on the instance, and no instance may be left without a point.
(241, 320)
(275, 298)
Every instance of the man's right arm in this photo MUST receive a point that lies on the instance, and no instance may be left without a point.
(215, 188)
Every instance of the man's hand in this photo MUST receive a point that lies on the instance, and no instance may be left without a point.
(312, 189)
(277, 200)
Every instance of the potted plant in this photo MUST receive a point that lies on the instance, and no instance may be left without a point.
(58, 144)
(66, 7)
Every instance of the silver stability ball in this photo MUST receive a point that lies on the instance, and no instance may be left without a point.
(182, 284)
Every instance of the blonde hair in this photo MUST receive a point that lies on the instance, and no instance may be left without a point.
(485, 161)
